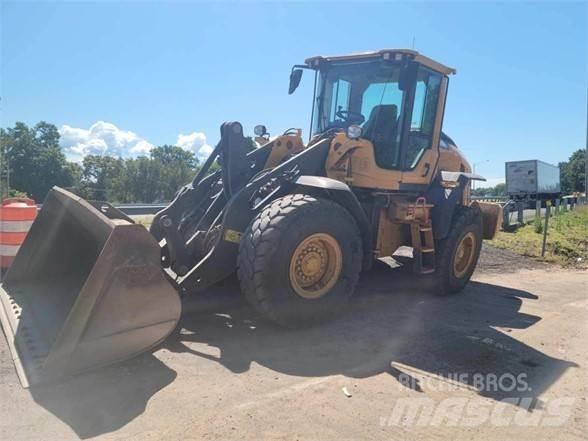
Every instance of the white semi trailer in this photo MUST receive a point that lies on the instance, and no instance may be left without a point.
(532, 180)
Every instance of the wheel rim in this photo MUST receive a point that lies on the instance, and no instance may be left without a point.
(464, 255)
(315, 265)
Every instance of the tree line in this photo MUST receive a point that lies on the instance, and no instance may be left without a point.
(498, 190)
(32, 162)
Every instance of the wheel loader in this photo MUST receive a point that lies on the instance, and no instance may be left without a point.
(297, 222)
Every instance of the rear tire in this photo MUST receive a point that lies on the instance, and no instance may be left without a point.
(458, 253)
(299, 260)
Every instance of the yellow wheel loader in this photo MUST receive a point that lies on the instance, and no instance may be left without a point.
(297, 222)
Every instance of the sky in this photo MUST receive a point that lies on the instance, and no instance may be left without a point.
(119, 77)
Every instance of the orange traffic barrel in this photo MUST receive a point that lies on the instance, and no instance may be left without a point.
(16, 217)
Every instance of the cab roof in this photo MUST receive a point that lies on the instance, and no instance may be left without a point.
(385, 54)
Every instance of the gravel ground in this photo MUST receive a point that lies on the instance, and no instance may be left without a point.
(496, 260)
(226, 374)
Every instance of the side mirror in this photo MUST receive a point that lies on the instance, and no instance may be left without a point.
(295, 77)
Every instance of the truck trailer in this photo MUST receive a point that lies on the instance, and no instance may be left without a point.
(532, 180)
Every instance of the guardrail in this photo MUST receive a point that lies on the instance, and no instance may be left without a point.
(135, 209)
(141, 209)
(497, 199)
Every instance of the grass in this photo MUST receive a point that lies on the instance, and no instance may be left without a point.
(567, 239)
(143, 220)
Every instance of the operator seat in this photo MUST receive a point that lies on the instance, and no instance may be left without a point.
(381, 129)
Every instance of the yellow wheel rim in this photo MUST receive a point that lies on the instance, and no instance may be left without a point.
(464, 255)
(315, 265)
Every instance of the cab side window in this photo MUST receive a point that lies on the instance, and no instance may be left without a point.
(424, 111)
(340, 101)
(380, 105)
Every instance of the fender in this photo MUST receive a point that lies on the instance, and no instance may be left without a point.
(341, 193)
(445, 198)
(446, 193)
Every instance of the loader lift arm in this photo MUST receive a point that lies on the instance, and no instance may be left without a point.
(207, 221)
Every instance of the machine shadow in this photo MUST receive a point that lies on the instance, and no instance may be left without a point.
(107, 399)
(389, 319)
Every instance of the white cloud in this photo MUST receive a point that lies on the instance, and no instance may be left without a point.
(102, 138)
(195, 142)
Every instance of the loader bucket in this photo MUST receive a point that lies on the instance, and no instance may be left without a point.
(86, 289)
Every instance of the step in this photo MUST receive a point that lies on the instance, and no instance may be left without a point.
(428, 250)
(428, 270)
(425, 229)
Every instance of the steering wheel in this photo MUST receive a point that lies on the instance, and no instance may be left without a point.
(350, 116)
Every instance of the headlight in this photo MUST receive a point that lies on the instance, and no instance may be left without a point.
(353, 131)
(260, 130)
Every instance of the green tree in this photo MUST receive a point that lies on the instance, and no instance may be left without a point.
(176, 167)
(250, 143)
(75, 170)
(99, 173)
(142, 181)
(34, 158)
(173, 155)
(47, 135)
(499, 189)
(572, 172)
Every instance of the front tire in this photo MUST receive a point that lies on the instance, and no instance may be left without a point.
(299, 260)
(458, 253)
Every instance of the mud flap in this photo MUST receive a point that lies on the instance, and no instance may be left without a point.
(86, 289)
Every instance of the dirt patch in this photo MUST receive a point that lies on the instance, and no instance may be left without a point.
(498, 260)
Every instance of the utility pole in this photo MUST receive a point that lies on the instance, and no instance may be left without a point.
(474, 170)
(4, 172)
(4, 176)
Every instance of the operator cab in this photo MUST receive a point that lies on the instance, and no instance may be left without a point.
(393, 98)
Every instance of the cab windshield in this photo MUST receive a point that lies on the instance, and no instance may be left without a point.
(369, 94)
(362, 93)
(355, 93)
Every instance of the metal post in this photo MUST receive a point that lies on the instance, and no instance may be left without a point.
(474, 181)
(520, 217)
(474, 171)
(506, 216)
(538, 208)
(547, 213)
(586, 155)
(557, 202)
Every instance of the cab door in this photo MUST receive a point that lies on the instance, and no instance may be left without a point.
(422, 130)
